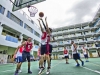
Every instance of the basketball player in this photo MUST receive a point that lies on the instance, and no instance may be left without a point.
(46, 48)
(75, 53)
(85, 52)
(18, 54)
(39, 55)
(66, 54)
(28, 45)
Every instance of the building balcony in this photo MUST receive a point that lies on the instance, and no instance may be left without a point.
(11, 42)
(67, 43)
(81, 41)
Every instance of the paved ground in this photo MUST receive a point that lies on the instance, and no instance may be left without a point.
(58, 68)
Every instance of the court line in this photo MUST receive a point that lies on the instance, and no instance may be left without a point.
(31, 66)
(51, 68)
(95, 64)
(92, 70)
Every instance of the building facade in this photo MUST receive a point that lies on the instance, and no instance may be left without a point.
(87, 34)
(14, 28)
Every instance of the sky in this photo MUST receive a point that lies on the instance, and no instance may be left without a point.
(61, 13)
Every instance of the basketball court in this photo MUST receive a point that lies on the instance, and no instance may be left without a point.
(58, 68)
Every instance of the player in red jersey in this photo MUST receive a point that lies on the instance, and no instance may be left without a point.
(66, 55)
(46, 47)
(28, 45)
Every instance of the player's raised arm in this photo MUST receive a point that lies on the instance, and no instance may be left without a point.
(43, 24)
(40, 25)
(48, 30)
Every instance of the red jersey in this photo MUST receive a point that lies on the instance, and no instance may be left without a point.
(48, 38)
(28, 46)
(44, 35)
(65, 51)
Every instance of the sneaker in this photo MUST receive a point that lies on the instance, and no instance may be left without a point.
(16, 73)
(29, 72)
(82, 63)
(19, 71)
(77, 65)
(67, 63)
(41, 70)
(48, 71)
(87, 61)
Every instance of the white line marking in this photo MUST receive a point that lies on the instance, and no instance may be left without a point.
(92, 70)
(6, 70)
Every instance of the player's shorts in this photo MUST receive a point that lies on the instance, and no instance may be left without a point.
(26, 55)
(67, 57)
(76, 56)
(19, 59)
(44, 49)
(86, 55)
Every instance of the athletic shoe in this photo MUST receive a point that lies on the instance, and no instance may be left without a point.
(16, 73)
(29, 72)
(87, 61)
(77, 65)
(82, 63)
(19, 71)
(48, 71)
(41, 70)
(67, 63)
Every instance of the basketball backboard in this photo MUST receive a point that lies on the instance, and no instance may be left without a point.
(19, 4)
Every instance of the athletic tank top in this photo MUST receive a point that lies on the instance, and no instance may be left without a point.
(65, 53)
(72, 48)
(84, 51)
(19, 52)
(28, 47)
(44, 38)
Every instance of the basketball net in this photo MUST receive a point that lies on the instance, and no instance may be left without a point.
(33, 10)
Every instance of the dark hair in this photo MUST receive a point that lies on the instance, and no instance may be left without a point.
(50, 29)
(72, 41)
(28, 37)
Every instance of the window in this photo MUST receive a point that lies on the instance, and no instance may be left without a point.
(28, 28)
(36, 33)
(2, 9)
(14, 18)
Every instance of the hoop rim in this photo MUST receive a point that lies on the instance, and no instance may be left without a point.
(31, 14)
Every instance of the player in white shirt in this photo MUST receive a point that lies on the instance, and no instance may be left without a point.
(18, 53)
(85, 52)
(75, 54)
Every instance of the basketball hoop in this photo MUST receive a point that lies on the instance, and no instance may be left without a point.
(33, 10)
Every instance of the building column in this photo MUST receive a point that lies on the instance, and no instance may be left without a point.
(1, 28)
(21, 37)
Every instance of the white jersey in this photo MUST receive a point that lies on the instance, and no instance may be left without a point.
(84, 51)
(19, 52)
(72, 48)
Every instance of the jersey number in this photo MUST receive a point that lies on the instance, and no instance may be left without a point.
(29, 46)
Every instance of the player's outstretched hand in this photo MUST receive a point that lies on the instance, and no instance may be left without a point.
(45, 18)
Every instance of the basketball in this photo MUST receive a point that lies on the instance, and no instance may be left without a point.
(41, 14)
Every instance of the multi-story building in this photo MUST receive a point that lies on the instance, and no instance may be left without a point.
(14, 28)
(87, 34)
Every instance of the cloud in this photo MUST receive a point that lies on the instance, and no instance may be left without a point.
(66, 12)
